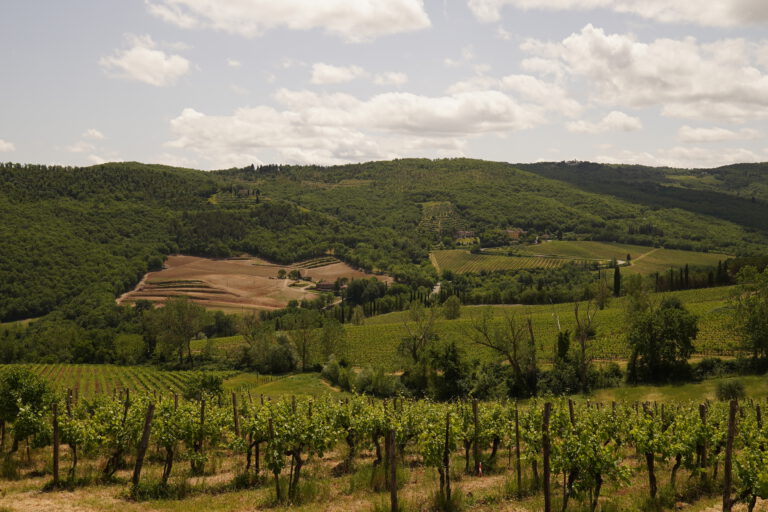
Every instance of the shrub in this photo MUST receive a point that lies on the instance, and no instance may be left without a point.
(730, 390)
(203, 384)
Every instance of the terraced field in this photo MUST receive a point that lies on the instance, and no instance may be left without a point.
(463, 262)
(95, 379)
(237, 285)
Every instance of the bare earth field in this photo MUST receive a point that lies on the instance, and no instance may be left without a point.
(237, 284)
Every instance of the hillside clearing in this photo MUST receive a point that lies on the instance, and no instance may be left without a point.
(237, 284)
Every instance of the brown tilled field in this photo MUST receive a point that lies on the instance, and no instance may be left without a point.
(237, 284)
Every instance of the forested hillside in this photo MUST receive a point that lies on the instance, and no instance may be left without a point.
(68, 232)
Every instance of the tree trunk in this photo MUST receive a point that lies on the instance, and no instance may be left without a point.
(168, 466)
(651, 474)
(598, 486)
(143, 446)
(673, 477)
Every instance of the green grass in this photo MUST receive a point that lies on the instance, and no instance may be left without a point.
(756, 388)
(304, 384)
(662, 260)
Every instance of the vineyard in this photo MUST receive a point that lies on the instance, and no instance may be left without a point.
(464, 262)
(89, 380)
(239, 453)
(642, 259)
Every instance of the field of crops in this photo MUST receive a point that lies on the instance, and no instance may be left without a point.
(643, 259)
(464, 262)
(661, 260)
(584, 250)
(94, 379)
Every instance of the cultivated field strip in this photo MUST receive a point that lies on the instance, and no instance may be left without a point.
(464, 262)
(100, 379)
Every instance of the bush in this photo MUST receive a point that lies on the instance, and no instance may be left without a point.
(280, 358)
(203, 384)
(452, 308)
(730, 390)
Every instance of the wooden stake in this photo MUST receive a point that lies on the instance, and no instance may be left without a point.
(143, 446)
(727, 469)
(55, 410)
(545, 446)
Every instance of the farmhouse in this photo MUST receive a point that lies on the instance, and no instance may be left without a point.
(324, 286)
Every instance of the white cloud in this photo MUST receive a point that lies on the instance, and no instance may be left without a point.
(233, 63)
(353, 20)
(6, 147)
(323, 74)
(93, 134)
(545, 96)
(613, 122)
(682, 157)
(716, 13)
(467, 55)
(686, 78)
(327, 74)
(503, 34)
(97, 160)
(337, 128)
(145, 63)
(390, 78)
(714, 134)
(81, 147)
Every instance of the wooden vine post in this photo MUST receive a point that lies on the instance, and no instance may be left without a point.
(235, 415)
(519, 467)
(55, 411)
(143, 444)
(476, 438)
(447, 457)
(703, 446)
(545, 450)
(391, 447)
(728, 465)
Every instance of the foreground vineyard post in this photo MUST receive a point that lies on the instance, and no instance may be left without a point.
(391, 446)
(476, 439)
(143, 444)
(235, 415)
(728, 464)
(55, 412)
(545, 450)
(519, 467)
(447, 457)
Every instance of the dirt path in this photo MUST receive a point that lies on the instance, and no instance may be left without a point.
(433, 260)
(645, 254)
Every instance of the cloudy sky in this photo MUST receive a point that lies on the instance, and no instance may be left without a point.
(221, 83)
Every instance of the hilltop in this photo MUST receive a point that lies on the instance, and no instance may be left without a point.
(86, 235)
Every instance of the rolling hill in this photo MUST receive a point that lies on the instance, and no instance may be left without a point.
(85, 235)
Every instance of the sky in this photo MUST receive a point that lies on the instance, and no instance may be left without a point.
(213, 84)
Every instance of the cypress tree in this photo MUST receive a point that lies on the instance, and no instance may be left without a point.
(616, 281)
